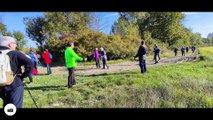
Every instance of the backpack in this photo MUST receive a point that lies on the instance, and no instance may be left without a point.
(6, 74)
(51, 56)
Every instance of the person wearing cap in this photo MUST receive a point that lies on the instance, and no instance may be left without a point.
(71, 59)
(14, 92)
(96, 56)
(104, 58)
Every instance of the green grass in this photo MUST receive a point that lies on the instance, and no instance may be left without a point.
(206, 53)
(182, 85)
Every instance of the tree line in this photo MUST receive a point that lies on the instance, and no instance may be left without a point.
(54, 29)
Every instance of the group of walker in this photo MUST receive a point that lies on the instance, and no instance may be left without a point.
(184, 50)
(13, 93)
(100, 55)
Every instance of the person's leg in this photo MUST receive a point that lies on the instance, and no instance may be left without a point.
(99, 66)
(144, 65)
(107, 65)
(73, 76)
(50, 69)
(141, 65)
(35, 65)
(4, 98)
(47, 68)
(31, 78)
(158, 56)
(69, 77)
(96, 62)
(104, 63)
(155, 58)
(15, 97)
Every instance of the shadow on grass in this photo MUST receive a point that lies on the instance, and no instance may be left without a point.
(41, 74)
(106, 74)
(47, 88)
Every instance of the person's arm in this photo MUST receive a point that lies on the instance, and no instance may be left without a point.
(139, 49)
(72, 53)
(26, 62)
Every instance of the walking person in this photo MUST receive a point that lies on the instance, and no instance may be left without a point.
(34, 58)
(193, 49)
(187, 49)
(96, 56)
(31, 74)
(156, 54)
(71, 59)
(175, 51)
(183, 51)
(104, 58)
(142, 56)
(13, 93)
(47, 61)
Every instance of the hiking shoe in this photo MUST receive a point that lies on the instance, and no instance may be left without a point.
(31, 83)
(107, 67)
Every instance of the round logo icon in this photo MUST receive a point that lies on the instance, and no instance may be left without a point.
(10, 109)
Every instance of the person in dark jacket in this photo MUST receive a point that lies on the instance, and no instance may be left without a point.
(13, 93)
(142, 56)
(183, 51)
(193, 49)
(104, 58)
(187, 49)
(175, 51)
(156, 53)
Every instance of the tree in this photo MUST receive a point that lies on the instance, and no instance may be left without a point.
(2, 28)
(21, 42)
(36, 30)
(209, 40)
(196, 39)
(59, 24)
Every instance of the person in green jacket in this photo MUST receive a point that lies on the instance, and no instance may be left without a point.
(71, 59)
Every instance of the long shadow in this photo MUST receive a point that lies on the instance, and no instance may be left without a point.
(41, 74)
(105, 74)
(47, 88)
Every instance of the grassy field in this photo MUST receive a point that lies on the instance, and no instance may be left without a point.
(182, 85)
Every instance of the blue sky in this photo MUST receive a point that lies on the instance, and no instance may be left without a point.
(201, 22)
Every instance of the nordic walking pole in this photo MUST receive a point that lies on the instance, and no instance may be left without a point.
(84, 68)
(85, 59)
(31, 96)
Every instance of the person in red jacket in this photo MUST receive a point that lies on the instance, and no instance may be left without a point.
(47, 61)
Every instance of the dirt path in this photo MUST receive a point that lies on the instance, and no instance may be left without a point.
(114, 68)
